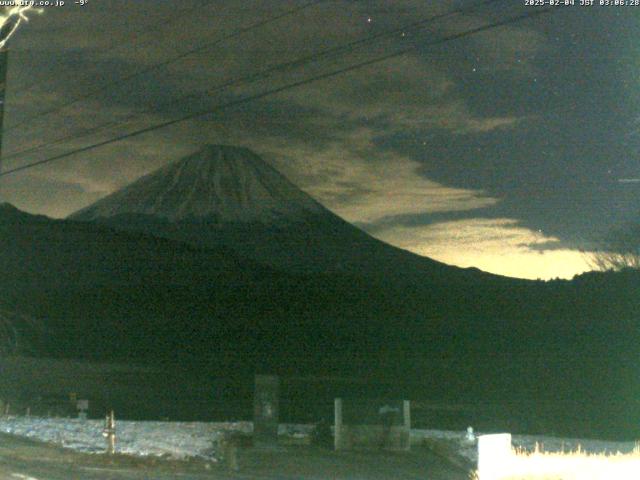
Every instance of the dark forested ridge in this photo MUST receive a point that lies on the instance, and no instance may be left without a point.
(111, 295)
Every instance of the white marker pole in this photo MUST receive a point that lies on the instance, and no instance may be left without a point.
(494, 456)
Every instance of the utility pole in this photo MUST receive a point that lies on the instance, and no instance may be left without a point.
(9, 22)
(4, 57)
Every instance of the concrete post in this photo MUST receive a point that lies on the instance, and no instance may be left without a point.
(406, 415)
(337, 427)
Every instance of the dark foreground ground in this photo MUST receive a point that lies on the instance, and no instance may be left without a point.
(22, 459)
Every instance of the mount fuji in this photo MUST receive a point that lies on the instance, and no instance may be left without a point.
(228, 196)
(224, 184)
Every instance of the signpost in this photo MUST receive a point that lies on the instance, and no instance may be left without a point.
(82, 405)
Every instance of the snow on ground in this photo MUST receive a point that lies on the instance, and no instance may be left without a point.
(469, 449)
(172, 439)
(197, 439)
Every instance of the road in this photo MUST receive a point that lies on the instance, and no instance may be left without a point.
(23, 459)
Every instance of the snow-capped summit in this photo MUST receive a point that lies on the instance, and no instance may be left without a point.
(225, 183)
(225, 196)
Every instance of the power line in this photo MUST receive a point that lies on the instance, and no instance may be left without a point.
(273, 91)
(278, 90)
(118, 44)
(349, 46)
(156, 66)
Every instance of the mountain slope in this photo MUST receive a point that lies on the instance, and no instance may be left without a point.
(113, 295)
(227, 184)
(228, 196)
(39, 251)
(97, 291)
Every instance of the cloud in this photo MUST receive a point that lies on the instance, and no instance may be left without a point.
(364, 185)
(497, 245)
(403, 93)
(325, 136)
(511, 48)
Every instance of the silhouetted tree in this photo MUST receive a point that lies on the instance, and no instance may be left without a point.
(620, 250)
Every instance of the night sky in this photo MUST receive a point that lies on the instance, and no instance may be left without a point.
(510, 150)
